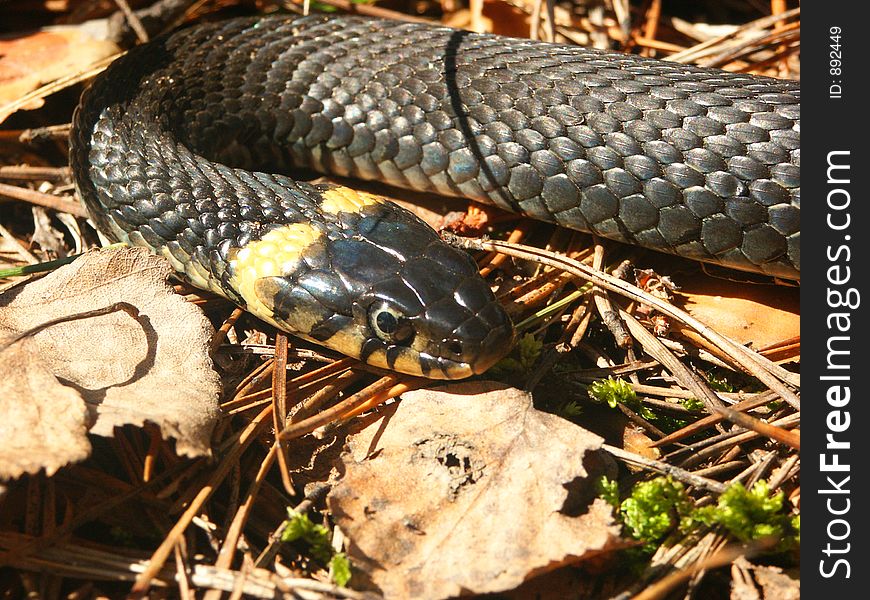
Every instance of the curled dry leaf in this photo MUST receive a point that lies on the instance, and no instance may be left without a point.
(469, 489)
(123, 369)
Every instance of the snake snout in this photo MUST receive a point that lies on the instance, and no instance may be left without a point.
(480, 334)
(498, 341)
(464, 328)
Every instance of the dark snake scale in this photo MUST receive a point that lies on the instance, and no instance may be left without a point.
(177, 147)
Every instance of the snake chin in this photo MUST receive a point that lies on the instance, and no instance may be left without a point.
(474, 346)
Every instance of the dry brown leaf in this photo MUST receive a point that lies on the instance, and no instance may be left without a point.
(762, 582)
(760, 314)
(567, 583)
(154, 367)
(776, 585)
(43, 427)
(469, 489)
(636, 440)
(32, 59)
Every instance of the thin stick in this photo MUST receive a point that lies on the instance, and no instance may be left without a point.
(28, 173)
(234, 532)
(664, 587)
(295, 430)
(686, 377)
(279, 406)
(711, 420)
(59, 203)
(495, 259)
(784, 436)
(221, 334)
(374, 11)
(662, 467)
(133, 20)
(378, 399)
(695, 52)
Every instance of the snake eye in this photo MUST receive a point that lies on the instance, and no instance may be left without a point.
(390, 325)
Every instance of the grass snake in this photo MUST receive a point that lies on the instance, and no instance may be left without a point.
(181, 144)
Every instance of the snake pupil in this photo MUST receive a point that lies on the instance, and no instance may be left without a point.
(387, 322)
(390, 325)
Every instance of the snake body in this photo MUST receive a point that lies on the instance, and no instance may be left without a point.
(177, 145)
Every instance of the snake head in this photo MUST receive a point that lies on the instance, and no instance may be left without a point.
(378, 284)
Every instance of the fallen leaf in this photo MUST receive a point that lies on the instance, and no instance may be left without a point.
(636, 441)
(469, 489)
(762, 582)
(760, 314)
(126, 370)
(42, 422)
(567, 583)
(775, 584)
(32, 59)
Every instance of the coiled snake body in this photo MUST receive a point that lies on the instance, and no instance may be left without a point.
(175, 147)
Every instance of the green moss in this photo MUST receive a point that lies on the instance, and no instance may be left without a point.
(608, 489)
(719, 381)
(339, 569)
(299, 529)
(521, 359)
(692, 404)
(655, 508)
(659, 506)
(613, 392)
(751, 514)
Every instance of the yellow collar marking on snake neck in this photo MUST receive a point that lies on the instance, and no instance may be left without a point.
(273, 255)
(343, 199)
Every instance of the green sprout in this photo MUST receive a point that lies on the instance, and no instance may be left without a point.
(299, 528)
(613, 392)
(521, 359)
(571, 410)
